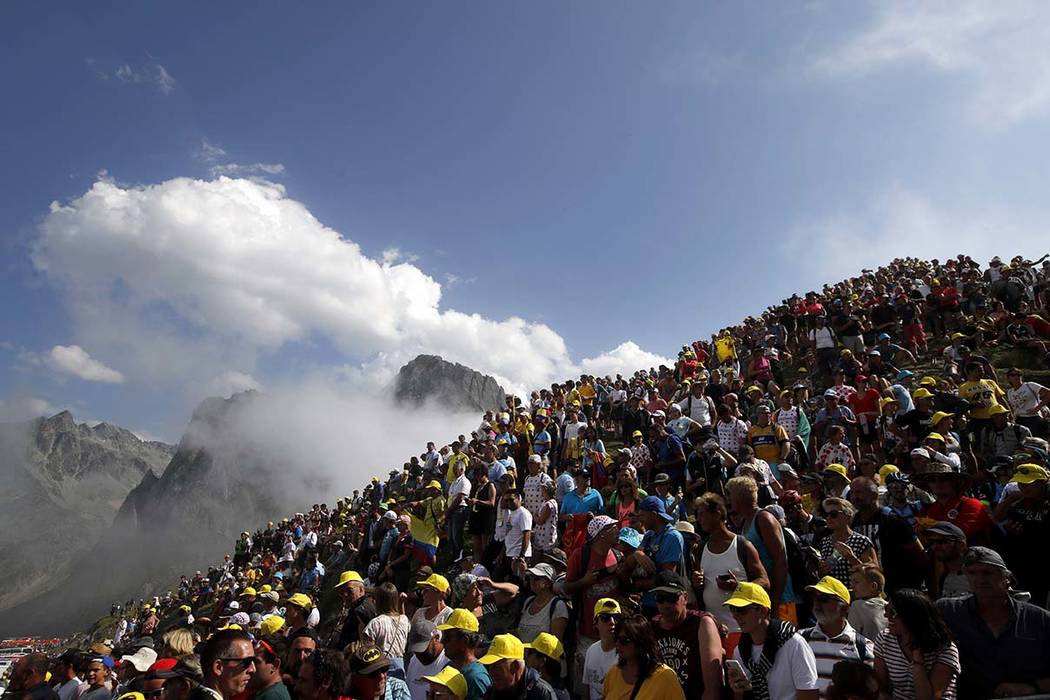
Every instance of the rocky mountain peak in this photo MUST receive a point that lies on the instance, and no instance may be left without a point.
(449, 384)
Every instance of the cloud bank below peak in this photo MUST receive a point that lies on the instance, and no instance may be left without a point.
(191, 282)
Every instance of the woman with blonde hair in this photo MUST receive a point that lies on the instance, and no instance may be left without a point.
(179, 642)
(843, 549)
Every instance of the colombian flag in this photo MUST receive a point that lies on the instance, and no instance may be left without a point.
(425, 541)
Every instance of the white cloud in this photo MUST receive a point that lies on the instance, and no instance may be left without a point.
(232, 382)
(209, 152)
(188, 280)
(253, 170)
(19, 408)
(153, 74)
(902, 223)
(74, 360)
(624, 359)
(999, 46)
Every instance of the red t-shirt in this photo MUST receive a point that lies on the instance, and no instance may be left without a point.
(605, 588)
(867, 402)
(968, 514)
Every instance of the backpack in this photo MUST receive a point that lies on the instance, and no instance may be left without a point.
(571, 625)
(803, 561)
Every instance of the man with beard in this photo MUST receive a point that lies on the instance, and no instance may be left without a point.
(688, 640)
(832, 639)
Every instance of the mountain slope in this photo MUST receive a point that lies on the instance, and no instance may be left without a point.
(452, 385)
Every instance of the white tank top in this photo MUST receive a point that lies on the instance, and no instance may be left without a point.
(713, 566)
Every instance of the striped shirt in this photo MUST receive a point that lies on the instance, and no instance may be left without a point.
(847, 644)
(898, 666)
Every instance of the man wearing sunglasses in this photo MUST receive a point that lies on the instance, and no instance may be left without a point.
(228, 662)
(601, 656)
(687, 640)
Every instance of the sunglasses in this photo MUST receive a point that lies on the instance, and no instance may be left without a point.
(376, 673)
(667, 597)
(834, 513)
(624, 641)
(608, 617)
(243, 663)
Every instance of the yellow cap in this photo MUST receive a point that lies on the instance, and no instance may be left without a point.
(302, 600)
(607, 605)
(461, 619)
(636, 433)
(748, 594)
(1029, 473)
(504, 646)
(435, 581)
(837, 469)
(434, 484)
(451, 679)
(348, 576)
(249, 591)
(132, 696)
(886, 401)
(846, 353)
(928, 381)
(265, 589)
(922, 393)
(271, 625)
(548, 645)
(996, 409)
(830, 585)
(934, 436)
(753, 388)
(938, 417)
(957, 336)
(886, 470)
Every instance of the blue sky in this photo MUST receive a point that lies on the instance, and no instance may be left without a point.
(605, 171)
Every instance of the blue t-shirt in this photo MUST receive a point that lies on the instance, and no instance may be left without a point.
(590, 502)
(669, 448)
(478, 681)
(541, 442)
(664, 547)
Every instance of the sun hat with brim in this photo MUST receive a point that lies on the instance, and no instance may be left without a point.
(829, 585)
(938, 469)
(541, 570)
(504, 646)
(654, 504)
(368, 660)
(746, 594)
(461, 619)
(1029, 474)
(836, 469)
(607, 606)
(598, 524)
(451, 679)
(348, 577)
(435, 581)
(547, 644)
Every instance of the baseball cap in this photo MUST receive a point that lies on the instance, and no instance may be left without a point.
(887, 469)
(922, 393)
(390, 515)
(548, 645)
(661, 478)
(669, 582)
(141, 659)
(654, 504)
(787, 470)
(348, 576)
(836, 469)
(420, 635)
(271, 625)
(984, 555)
(630, 537)
(435, 581)
(790, 497)
(996, 409)
(946, 529)
(830, 394)
(747, 594)
(606, 606)
(434, 484)
(928, 381)
(934, 436)
(904, 374)
(248, 591)
(542, 570)
(939, 416)
(241, 618)
(461, 619)
(301, 600)
(368, 659)
(504, 646)
(829, 585)
(1029, 473)
(451, 679)
(920, 452)
(637, 433)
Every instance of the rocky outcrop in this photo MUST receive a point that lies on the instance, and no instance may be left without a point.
(448, 384)
(63, 483)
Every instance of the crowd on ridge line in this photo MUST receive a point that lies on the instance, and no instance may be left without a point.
(871, 528)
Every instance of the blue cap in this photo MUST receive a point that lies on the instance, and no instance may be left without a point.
(631, 537)
(904, 374)
(655, 504)
(884, 336)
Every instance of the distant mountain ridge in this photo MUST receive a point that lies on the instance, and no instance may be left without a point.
(63, 483)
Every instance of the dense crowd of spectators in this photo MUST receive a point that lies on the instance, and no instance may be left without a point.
(842, 497)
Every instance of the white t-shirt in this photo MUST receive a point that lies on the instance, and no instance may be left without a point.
(795, 668)
(698, 408)
(530, 625)
(460, 484)
(1024, 398)
(596, 664)
(389, 633)
(418, 687)
(517, 523)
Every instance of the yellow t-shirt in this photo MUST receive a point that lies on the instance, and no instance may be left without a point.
(767, 441)
(662, 684)
(452, 461)
(725, 348)
(587, 394)
(982, 395)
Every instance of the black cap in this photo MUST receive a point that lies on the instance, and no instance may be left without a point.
(669, 582)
